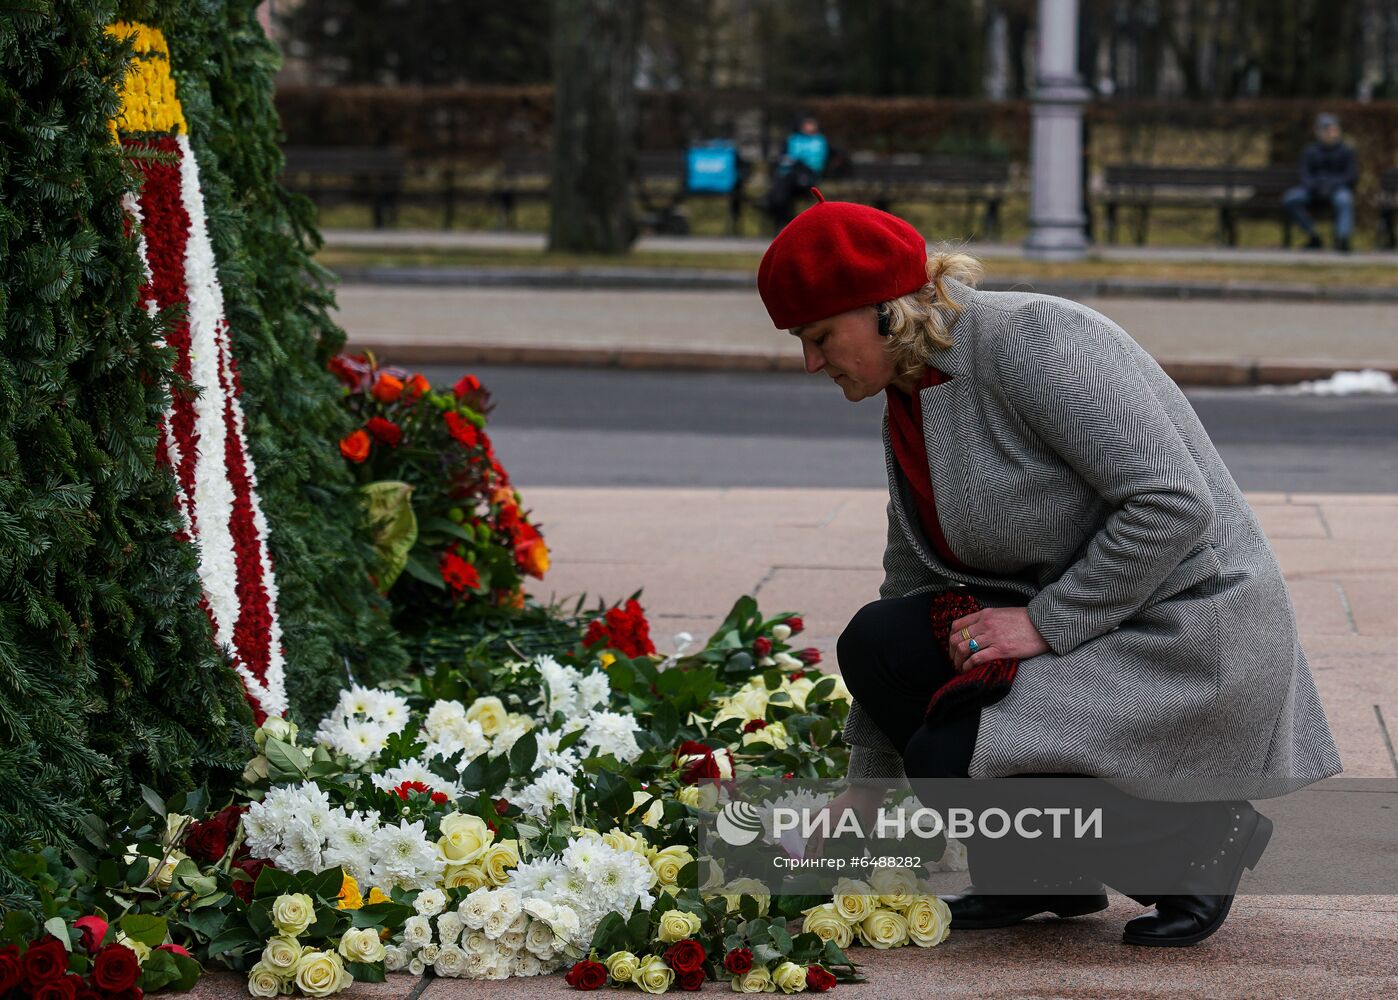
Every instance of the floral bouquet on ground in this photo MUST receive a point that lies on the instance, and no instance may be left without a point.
(448, 527)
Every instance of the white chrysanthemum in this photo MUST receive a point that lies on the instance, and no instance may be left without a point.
(390, 711)
(549, 789)
(301, 849)
(430, 902)
(443, 717)
(613, 733)
(582, 854)
(362, 740)
(417, 932)
(514, 727)
(594, 691)
(450, 963)
(537, 878)
(351, 840)
(260, 833)
(559, 692)
(404, 857)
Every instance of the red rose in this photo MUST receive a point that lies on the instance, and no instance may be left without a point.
(587, 975)
(45, 961)
(810, 656)
(467, 385)
(355, 447)
(795, 624)
(65, 988)
(387, 388)
(352, 370)
(462, 429)
(686, 955)
(753, 725)
(762, 646)
(11, 971)
(738, 961)
(385, 431)
(819, 979)
(134, 993)
(207, 841)
(88, 993)
(94, 929)
(115, 969)
(788, 775)
(252, 867)
(174, 949)
(691, 979)
(501, 806)
(458, 573)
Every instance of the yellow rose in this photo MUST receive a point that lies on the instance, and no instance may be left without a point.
(361, 945)
(350, 898)
(470, 876)
(774, 734)
(293, 913)
(854, 900)
(166, 874)
(175, 826)
(263, 982)
(676, 925)
(653, 814)
(688, 795)
(620, 840)
(321, 973)
(377, 895)
(790, 977)
(281, 955)
(756, 980)
(896, 887)
(739, 887)
(464, 838)
(489, 712)
(929, 921)
(884, 929)
(142, 950)
(825, 921)
(498, 860)
(622, 966)
(653, 975)
(667, 864)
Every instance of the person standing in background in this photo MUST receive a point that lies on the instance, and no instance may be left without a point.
(797, 170)
(1329, 169)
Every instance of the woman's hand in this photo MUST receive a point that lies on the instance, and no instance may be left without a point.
(1000, 634)
(865, 802)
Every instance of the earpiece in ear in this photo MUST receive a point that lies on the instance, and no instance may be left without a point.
(885, 324)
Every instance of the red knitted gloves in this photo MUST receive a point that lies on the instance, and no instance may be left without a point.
(984, 684)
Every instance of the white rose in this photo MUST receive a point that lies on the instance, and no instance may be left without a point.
(395, 959)
(825, 922)
(896, 887)
(676, 925)
(929, 921)
(429, 953)
(281, 954)
(622, 966)
(263, 981)
(464, 838)
(361, 945)
(755, 980)
(653, 814)
(449, 927)
(275, 728)
(321, 973)
(883, 929)
(451, 962)
(417, 966)
(790, 977)
(653, 975)
(489, 712)
(854, 900)
(293, 913)
(256, 771)
(417, 931)
(430, 902)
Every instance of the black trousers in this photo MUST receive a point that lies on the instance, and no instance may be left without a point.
(892, 662)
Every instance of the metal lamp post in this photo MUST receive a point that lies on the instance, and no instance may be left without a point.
(1056, 168)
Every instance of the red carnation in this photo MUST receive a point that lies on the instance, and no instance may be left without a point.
(810, 656)
(65, 988)
(462, 429)
(819, 979)
(753, 725)
(690, 979)
(11, 971)
(355, 446)
(93, 928)
(738, 961)
(458, 573)
(762, 646)
(467, 385)
(385, 431)
(686, 955)
(587, 975)
(795, 624)
(115, 969)
(44, 961)
(387, 388)
(624, 629)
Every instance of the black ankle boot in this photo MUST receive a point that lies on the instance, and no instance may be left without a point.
(1183, 920)
(973, 911)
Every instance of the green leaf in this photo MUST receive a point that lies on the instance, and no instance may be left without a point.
(286, 763)
(780, 937)
(523, 754)
(273, 882)
(638, 930)
(58, 927)
(152, 798)
(235, 940)
(146, 928)
(325, 885)
(158, 970)
(386, 914)
(416, 568)
(392, 527)
(365, 972)
(766, 954)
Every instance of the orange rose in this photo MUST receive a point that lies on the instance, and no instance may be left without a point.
(355, 447)
(533, 558)
(387, 388)
(418, 386)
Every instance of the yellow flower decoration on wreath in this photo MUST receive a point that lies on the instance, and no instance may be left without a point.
(148, 100)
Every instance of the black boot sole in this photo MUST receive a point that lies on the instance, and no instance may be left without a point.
(1256, 845)
(1089, 904)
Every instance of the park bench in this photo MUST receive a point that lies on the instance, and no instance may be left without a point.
(883, 183)
(1234, 192)
(336, 175)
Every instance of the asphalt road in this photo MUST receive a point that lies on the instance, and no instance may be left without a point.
(603, 427)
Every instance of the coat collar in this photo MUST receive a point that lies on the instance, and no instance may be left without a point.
(956, 359)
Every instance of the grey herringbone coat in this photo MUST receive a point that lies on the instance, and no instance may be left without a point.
(1069, 468)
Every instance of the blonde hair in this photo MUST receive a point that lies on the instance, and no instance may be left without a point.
(920, 322)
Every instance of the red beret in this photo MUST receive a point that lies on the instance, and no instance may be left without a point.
(837, 256)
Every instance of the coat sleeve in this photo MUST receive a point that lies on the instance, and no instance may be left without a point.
(1075, 384)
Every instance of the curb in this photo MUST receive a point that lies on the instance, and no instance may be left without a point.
(700, 279)
(1185, 371)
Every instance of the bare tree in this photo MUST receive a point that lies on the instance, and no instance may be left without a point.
(594, 125)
